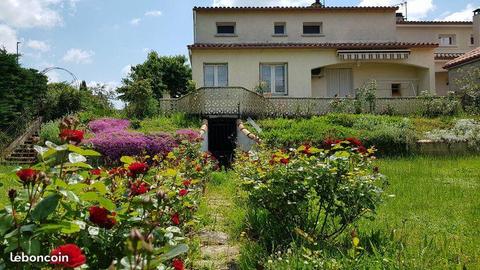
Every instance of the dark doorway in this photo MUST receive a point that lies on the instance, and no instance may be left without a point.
(222, 134)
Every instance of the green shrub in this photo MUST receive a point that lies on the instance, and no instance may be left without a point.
(169, 123)
(49, 132)
(433, 106)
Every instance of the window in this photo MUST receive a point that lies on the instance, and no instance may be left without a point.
(226, 29)
(396, 88)
(215, 75)
(472, 40)
(279, 29)
(312, 28)
(446, 40)
(274, 76)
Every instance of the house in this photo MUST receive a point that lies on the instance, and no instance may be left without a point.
(462, 66)
(325, 51)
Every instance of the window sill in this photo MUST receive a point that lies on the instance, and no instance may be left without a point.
(313, 35)
(226, 35)
(279, 35)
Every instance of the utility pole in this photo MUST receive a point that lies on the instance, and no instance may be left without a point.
(18, 43)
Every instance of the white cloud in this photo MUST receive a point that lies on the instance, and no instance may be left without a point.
(126, 70)
(8, 38)
(38, 45)
(135, 21)
(230, 3)
(78, 56)
(417, 9)
(153, 13)
(463, 15)
(31, 13)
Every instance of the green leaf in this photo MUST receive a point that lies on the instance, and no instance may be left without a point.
(79, 165)
(106, 203)
(102, 189)
(76, 158)
(6, 223)
(30, 246)
(46, 207)
(174, 252)
(83, 152)
(127, 159)
(65, 227)
(95, 197)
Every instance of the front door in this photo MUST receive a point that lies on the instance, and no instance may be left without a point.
(339, 82)
(222, 136)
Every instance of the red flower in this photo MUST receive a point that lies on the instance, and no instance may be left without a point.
(137, 168)
(175, 218)
(102, 217)
(71, 135)
(328, 143)
(198, 168)
(95, 172)
(187, 183)
(284, 161)
(178, 264)
(27, 175)
(354, 141)
(118, 171)
(139, 187)
(362, 149)
(74, 254)
(306, 149)
(183, 192)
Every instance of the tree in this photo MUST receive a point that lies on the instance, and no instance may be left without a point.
(166, 74)
(83, 86)
(139, 98)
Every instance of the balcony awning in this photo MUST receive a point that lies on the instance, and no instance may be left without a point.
(359, 55)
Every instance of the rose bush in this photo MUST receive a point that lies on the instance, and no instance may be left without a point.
(311, 194)
(135, 216)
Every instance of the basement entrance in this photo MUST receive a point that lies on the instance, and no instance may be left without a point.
(222, 135)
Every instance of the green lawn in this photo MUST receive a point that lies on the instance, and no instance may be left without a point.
(7, 181)
(435, 211)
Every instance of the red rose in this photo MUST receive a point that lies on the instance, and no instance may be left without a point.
(187, 183)
(354, 141)
(95, 172)
(118, 171)
(182, 192)
(74, 254)
(139, 187)
(27, 175)
(362, 149)
(137, 168)
(102, 217)
(284, 161)
(328, 143)
(178, 264)
(71, 135)
(175, 218)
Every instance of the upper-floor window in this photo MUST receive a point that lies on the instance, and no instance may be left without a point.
(446, 40)
(279, 28)
(314, 28)
(472, 40)
(215, 75)
(226, 28)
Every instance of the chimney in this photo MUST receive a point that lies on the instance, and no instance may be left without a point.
(399, 17)
(317, 4)
(476, 27)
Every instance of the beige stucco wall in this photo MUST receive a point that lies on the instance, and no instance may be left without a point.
(430, 33)
(244, 65)
(441, 83)
(257, 26)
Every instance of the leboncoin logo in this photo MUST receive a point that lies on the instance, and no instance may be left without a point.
(24, 258)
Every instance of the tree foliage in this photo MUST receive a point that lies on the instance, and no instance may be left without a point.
(139, 98)
(166, 74)
(21, 90)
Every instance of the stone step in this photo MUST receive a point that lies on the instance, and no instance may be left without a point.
(213, 238)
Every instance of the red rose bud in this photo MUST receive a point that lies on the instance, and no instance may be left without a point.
(137, 168)
(187, 183)
(183, 192)
(175, 218)
(27, 175)
(177, 264)
(71, 135)
(284, 161)
(12, 194)
(75, 256)
(102, 217)
(139, 188)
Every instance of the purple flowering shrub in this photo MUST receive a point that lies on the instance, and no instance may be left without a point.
(113, 140)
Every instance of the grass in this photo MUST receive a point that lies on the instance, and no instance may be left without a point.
(7, 181)
(169, 124)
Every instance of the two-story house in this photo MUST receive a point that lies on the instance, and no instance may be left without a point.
(322, 51)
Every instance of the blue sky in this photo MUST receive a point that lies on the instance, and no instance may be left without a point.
(98, 39)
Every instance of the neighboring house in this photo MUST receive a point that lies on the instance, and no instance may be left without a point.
(322, 51)
(460, 67)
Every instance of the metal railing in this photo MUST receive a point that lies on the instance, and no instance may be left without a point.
(17, 134)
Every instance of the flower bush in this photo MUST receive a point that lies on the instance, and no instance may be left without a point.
(312, 194)
(465, 130)
(135, 216)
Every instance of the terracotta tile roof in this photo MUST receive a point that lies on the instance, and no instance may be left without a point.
(447, 56)
(465, 58)
(327, 8)
(324, 45)
(437, 22)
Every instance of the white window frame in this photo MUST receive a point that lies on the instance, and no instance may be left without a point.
(319, 24)
(284, 28)
(452, 40)
(215, 74)
(272, 77)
